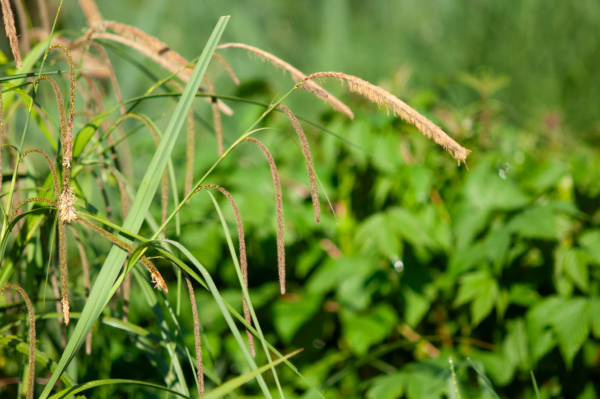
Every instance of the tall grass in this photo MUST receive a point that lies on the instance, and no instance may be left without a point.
(83, 150)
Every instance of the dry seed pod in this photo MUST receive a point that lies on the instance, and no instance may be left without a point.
(381, 97)
(31, 371)
(279, 211)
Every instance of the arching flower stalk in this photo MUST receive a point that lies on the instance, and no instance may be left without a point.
(227, 68)
(243, 257)
(381, 97)
(31, 371)
(151, 47)
(197, 339)
(314, 191)
(279, 211)
(295, 73)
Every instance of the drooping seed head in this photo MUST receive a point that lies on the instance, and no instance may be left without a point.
(381, 97)
(11, 31)
(31, 371)
(295, 73)
(197, 340)
(314, 191)
(243, 257)
(279, 211)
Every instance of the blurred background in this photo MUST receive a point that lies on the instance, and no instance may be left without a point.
(416, 259)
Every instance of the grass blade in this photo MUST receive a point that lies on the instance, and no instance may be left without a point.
(116, 257)
(242, 379)
(65, 393)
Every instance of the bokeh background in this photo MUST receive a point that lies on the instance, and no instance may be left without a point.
(416, 259)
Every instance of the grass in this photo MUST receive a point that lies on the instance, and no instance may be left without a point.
(81, 150)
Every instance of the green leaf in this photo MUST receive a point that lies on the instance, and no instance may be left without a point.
(290, 316)
(409, 227)
(114, 261)
(486, 190)
(416, 307)
(572, 326)
(573, 263)
(237, 382)
(535, 223)
(594, 315)
(40, 357)
(66, 393)
(590, 242)
(363, 331)
(388, 387)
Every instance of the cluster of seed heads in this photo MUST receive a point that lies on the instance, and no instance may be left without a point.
(179, 67)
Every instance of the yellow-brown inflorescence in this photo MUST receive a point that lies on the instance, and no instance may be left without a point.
(157, 278)
(50, 165)
(381, 97)
(314, 192)
(152, 48)
(243, 256)
(227, 68)
(279, 211)
(67, 138)
(295, 73)
(11, 31)
(30, 200)
(31, 371)
(197, 341)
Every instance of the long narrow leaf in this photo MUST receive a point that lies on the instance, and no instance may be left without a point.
(242, 379)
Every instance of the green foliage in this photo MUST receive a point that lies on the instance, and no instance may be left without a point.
(415, 260)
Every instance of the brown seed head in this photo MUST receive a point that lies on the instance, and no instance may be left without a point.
(295, 73)
(197, 340)
(279, 210)
(31, 371)
(381, 97)
(309, 162)
(243, 257)
(11, 31)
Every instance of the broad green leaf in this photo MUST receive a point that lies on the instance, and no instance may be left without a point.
(114, 261)
(363, 331)
(573, 263)
(515, 345)
(535, 223)
(388, 387)
(289, 316)
(572, 326)
(590, 241)
(486, 190)
(416, 307)
(409, 227)
(594, 315)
